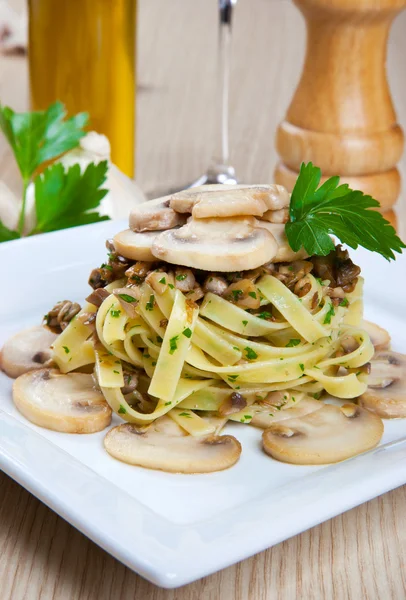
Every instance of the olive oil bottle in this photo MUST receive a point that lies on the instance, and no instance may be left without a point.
(82, 52)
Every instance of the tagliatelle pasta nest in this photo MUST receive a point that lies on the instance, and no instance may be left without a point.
(220, 346)
(178, 349)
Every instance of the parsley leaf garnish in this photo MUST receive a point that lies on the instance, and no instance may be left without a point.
(173, 344)
(292, 343)
(251, 354)
(333, 209)
(62, 200)
(35, 138)
(38, 136)
(67, 199)
(187, 332)
(150, 304)
(127, 297)
(264, 315)
(330, 313)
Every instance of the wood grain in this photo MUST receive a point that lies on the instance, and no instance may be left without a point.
(357, 556)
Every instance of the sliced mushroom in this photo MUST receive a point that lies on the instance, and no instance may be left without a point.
(232, 404)
(230, 200)
(328, 435)
(166, 446)
(97, 297)
(136, 246)
(386, 392)
(26, 351)
(184, 280)
(276, 216)
(214, 284)
(265, 416)
(285, 252)
(68, 403)
(379, 336)
(129, 297)
(155, 215)
(244, 294)
(216, 244)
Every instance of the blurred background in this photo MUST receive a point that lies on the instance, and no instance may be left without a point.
(175, 98)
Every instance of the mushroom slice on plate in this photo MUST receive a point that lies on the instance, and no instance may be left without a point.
(380, 338)
(216, 244)
(285, 252)
(27, 350)
(136, 246)
(267, 415)
(324, 436)
(155, 215)
(165, 446)
(68, 403)
(386, 391)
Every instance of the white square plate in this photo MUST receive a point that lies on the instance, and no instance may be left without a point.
(173, 529)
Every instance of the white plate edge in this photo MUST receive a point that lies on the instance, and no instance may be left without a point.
(234, 539)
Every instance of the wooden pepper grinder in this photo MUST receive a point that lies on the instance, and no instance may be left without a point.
(341, 117)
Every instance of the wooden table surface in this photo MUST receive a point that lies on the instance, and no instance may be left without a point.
(357, 556)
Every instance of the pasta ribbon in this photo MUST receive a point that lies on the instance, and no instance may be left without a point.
(193, 357)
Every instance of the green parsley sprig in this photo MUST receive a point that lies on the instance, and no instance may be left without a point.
(333, 209)
(62, 199)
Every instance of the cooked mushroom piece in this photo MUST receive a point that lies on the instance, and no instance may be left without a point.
(68, 403)
(165, 446)
(155, 215)
(128, 297)
(285, 252)
(97, 297)
(276, 216)
(232, 404)
(214, 284)
(136, 246)
(211, 201)
(244, 294)
(184, 280)
(380, 338)
(267, 415)
(328, 435)
(216, 244)
(233, 202)
(26, 351)
(59, 317)
(386, 392)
